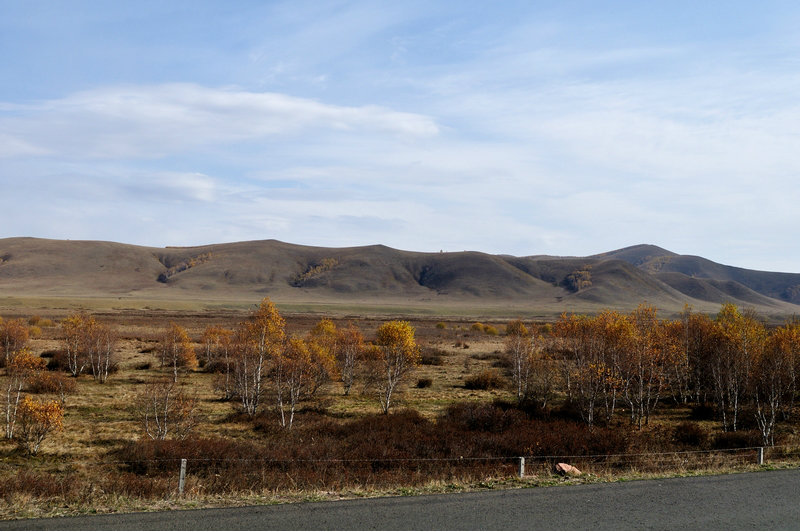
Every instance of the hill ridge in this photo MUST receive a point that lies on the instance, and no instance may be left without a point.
(241, 272)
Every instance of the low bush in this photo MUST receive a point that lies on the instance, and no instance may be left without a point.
(432, 356)
(424, 383)
(401, 448)
(53, 383)
(485, 381)
(58, 361)
(503, 362)
(691, 435)
(703, 412)
(737, 439)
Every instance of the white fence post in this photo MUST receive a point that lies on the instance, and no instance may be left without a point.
(182, 479)
(761, 456)
(521, 470)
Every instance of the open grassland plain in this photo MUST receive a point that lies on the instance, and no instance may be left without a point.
(475, 398)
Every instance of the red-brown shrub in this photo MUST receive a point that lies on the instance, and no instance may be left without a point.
(52, 382)
(484, 381)
(469, 440)
(691, 435)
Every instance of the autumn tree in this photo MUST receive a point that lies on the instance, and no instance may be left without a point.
(739, 340)
(14, 335)
(21, 368)
(680, 379)
(530, 371)
(209, 350)
(164, 410)
(175, 350)
(323, 345)
(35, 420)
(519, 347)
(350, 349)
(102, 349)
(88, 343)
(773, 380)
(644, 366)
(398, 356)
(589, 367)
(292, 378)
(74, 328)
(217, 344)
(259, 340)
(701, 347)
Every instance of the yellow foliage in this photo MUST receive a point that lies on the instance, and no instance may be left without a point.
(25, 363)
(398, 337)
(325, 264)
(399, 354)
(35, 420)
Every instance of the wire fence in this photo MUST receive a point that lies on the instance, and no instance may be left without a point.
(655, 460)
(165, 477)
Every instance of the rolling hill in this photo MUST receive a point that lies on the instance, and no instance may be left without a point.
(376, 278)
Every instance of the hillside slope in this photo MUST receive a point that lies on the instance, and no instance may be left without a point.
(468, 282)
(694, 275)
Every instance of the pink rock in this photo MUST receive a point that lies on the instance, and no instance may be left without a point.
(567, 470)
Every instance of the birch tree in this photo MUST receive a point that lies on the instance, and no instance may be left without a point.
(20, 370)
(774, 379)
(350, 349)
(176, 351)
(165, 411)
(740, 338)
(398, 356)
(259, 341)
(14, 335)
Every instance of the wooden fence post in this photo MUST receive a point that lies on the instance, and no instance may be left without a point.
(521, 470)
(760, 458)
(182, 479)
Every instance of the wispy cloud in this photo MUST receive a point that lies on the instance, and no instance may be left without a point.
(156, 121)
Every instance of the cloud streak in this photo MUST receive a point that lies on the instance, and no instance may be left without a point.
(156, 121)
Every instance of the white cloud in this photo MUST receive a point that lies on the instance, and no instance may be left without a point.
(14, 147)
(157, 121)
(171, 187)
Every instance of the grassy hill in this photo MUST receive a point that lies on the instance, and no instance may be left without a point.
(375, 279)
(694, 275)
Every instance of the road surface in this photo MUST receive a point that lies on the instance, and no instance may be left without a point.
(758, 500)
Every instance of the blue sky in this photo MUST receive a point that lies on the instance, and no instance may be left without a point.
(563, 128)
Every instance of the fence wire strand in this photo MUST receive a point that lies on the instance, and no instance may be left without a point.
(629, 457)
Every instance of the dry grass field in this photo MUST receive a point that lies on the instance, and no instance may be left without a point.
(340, 445)
(100, 413)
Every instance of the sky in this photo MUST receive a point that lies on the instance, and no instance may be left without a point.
(563, 128)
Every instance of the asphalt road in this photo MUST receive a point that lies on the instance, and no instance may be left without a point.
(759, 500)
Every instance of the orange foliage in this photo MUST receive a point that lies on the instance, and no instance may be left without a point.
(35, 420)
